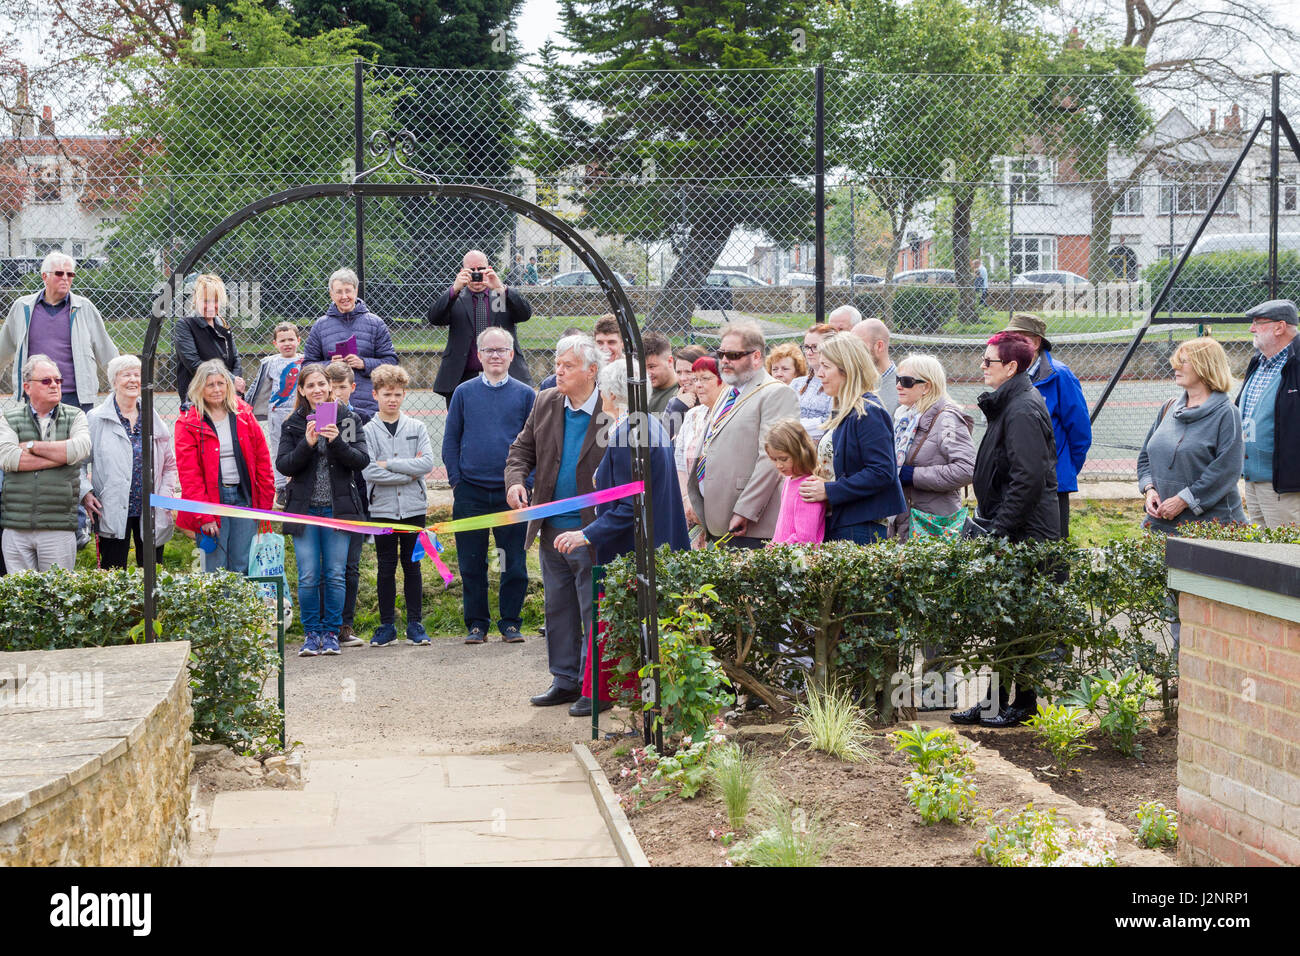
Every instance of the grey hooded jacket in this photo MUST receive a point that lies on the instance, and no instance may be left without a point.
(1195, 454)
(397, 490)
(110, 470)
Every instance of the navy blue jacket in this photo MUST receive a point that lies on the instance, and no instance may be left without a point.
(374, 346)
(613, 532)
(1071, 427)
(866, 486)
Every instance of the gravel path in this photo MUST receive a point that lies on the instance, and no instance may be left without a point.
(446, 698)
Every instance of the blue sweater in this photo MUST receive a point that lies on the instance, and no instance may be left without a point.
(566, 482)
(493, 418)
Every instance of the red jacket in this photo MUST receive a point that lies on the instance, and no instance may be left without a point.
(198, 459)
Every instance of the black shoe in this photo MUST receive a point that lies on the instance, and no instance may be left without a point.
(582, 707)
(556, 695)
(973, 715)
(1010, 716)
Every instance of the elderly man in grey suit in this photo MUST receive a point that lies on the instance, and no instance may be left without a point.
(876, 336)
(734, 487)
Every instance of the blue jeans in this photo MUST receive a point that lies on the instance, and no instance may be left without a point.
(868, 532)
(234, 538)
(322, 555)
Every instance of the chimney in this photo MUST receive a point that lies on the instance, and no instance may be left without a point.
(1212, 112)
(22, 112)
(1232, 122)
(1075, 42)
(47, 121)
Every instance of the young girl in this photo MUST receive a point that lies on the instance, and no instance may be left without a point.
(795, 456)
(321, 467)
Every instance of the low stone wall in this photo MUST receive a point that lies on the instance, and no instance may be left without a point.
(1239, 702)
(95, 756)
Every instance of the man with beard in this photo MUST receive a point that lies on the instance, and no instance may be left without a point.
(734, 487)
(1270, 417)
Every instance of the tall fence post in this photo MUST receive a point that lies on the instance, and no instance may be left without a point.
(359, 158)
(819, 75)
(1274, 182)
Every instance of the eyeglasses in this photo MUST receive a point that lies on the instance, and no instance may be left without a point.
(809, 349)
(986, 362)
(60, 273)
(908, 382)
(496, 351)
(734, 356)
(56, 380)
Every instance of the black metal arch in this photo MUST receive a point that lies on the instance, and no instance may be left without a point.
(633, 350)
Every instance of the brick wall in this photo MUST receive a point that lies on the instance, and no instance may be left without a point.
(1238, 736)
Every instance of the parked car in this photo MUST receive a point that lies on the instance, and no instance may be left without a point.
(718, 284)
(16, 273)
(586, 279)
(1061, 277)
(799, 279)
(925, 277)
(863, 278)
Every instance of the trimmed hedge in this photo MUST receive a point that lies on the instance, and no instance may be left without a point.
(1225, 283)
(231, 633)
(924, 309)
(862, 612)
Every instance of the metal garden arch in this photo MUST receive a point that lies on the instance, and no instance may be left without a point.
(633, 350)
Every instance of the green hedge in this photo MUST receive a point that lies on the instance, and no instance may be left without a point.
(1226, 283)
(231, 633)
(857, 611)
(924, 308)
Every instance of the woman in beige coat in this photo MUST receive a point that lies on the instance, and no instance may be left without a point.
(932, 441)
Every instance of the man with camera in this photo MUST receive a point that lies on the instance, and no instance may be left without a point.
(476, 300)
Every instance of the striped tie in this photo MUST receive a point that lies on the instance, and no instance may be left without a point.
(723, 412)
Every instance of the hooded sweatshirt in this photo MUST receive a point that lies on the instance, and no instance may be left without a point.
(1196, 454)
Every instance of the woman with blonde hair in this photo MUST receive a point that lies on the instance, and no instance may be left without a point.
(204, 334)
(858, 474)
(785, 363)
(1192, 457)
(932, 443)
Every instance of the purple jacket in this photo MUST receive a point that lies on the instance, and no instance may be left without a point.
(374, 345)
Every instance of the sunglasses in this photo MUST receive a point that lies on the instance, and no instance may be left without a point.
(986, 362)
(46, 381)
(734, 356)
(60, 273)
(908, 382)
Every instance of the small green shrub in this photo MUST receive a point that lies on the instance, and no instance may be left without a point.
(230, 630)
(1035, 838)
(1223, 282)
(931, 751)
(791, 836)
(1157, 825)
(942, 796)
(693, 689)
(738, 779)
(684, 772)
(924, 308)
(1117, 702)
(1061, 730)
(833, 724)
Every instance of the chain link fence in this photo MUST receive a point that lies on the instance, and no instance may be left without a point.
(951, 202)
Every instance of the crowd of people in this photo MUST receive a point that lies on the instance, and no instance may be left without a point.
(826, 440)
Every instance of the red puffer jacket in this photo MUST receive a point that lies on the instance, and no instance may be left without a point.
(198, 459)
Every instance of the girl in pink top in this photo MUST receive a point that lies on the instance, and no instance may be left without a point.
(795, 457)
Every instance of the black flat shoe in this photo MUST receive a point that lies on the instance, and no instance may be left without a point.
(582, 707)
(973, 715)
(1010, 716)
(556, 695)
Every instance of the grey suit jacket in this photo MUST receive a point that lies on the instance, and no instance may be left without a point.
(887, 391)
(739, 477)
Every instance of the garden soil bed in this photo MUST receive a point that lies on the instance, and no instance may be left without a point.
(1104, 777)
(866, 802)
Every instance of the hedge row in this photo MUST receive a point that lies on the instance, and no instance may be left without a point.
(1224, 282)
(231, 633)
(861, 613)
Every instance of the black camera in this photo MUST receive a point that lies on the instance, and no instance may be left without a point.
(475, 275)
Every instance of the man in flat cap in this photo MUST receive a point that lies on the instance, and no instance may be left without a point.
(1270, 416)
(1069, 409)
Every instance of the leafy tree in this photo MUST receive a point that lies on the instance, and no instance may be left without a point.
(858, 229)
(685, 157)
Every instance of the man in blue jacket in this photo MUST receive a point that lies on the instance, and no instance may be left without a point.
(1064, 397)
(330, 338)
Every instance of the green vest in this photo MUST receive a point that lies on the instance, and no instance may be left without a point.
(44, 500)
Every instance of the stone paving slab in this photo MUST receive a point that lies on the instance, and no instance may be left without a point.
(594, 861)
(519, 841)
(507, 769)
(272, 808)
(454, 804)
(404, 775)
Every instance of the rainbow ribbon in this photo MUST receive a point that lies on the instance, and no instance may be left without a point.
(428, 544)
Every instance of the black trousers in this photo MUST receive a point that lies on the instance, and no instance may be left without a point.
(387, 547)
(465, 376)
(113, 551)
(1063, 500)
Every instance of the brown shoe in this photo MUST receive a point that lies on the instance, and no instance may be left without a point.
(348, 639)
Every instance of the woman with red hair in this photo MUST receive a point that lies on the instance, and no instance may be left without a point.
(1015, 482)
